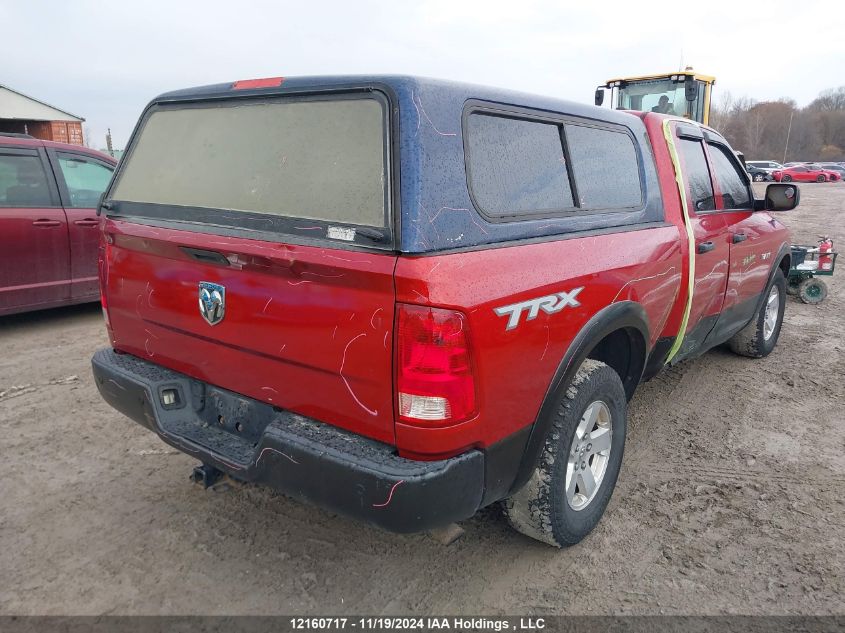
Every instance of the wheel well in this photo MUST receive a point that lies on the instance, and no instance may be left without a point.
(624, 351)
(784, 265)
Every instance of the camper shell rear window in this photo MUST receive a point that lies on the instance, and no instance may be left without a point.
(314, 166)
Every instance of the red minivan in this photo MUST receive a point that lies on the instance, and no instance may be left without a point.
(48, 222)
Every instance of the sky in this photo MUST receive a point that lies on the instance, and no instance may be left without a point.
(105, 60)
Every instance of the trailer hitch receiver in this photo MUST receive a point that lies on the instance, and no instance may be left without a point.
(205, 475)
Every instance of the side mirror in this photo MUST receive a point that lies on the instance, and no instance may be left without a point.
(690, 88)
(781, 197)
(599, 96)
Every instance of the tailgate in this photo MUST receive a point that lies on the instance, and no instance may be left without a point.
(304, 328)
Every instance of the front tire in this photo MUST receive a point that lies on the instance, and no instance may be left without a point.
(759, 178)
(759, 337)
(786, 178)
(570, 488)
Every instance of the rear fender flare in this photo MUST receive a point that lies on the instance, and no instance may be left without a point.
(622, 315)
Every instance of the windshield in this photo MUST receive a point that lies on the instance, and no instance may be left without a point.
(661, 95)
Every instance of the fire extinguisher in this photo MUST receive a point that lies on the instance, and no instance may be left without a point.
(825, 246)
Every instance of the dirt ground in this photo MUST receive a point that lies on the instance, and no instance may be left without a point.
(730, 498)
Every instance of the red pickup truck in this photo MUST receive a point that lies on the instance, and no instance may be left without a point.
(405, 299)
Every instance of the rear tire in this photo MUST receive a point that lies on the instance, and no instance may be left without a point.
(812, 291)
(786, 178)
(759, 177)
(585, 444)
(821, 178)
(759, 337)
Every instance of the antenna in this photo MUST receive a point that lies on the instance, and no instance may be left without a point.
(681, 62)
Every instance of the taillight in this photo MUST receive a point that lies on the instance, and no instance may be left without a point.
(434, 376)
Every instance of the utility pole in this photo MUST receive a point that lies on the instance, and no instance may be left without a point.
(788, 130)
(108, 143)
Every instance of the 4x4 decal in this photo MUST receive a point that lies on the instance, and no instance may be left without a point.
(548, 304)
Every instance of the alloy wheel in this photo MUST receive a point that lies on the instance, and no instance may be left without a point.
(588, 455)
(770, 318)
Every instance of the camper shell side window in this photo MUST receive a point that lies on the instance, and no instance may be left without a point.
(523, 164)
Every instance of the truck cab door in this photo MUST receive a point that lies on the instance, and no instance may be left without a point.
(754, 239)
(82, 179)
(34, 252)
(711, 245)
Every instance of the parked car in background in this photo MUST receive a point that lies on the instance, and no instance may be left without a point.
(837, 167)
(48, 222)
(832, 175)
(802, 173)
(766, 165)
(758, 174)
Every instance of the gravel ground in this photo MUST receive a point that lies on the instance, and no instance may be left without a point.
(730, 498)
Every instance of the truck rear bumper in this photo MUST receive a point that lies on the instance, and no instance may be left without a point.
(255, 442)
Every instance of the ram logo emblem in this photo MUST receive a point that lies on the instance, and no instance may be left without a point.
(548, 304)
(212, 302)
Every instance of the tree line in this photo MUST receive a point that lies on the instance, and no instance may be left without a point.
(780, 130)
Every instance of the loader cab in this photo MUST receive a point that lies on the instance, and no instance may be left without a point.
(684, 93)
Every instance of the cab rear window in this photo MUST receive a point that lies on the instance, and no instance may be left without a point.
(319, 159)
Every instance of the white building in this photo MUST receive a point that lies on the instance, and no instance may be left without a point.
(22, 114)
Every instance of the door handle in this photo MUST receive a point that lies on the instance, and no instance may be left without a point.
(739, 237)
(706, 247)
(87, 222)
(44, 222)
